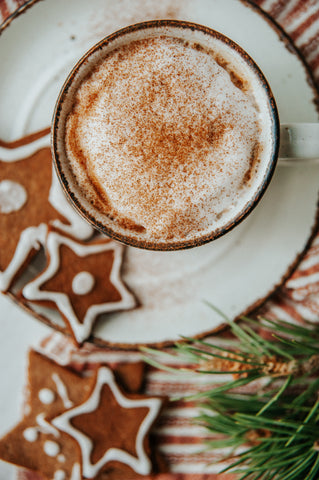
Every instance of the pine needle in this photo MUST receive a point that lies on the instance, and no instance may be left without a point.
(276, 421)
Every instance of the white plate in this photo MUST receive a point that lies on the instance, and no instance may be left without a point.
(36, 51)
(234, 272)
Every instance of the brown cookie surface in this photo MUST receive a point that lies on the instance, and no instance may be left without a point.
(82, 281)
(34, 443)
(30, 200)
(82, 425)
(32, 174)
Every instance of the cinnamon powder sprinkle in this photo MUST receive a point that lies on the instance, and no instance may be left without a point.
(162, 138)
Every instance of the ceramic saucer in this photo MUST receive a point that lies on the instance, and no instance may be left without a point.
(234, 273)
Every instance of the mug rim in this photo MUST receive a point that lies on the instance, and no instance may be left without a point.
(179, 244)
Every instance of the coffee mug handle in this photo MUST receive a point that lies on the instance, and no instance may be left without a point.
(299, 142)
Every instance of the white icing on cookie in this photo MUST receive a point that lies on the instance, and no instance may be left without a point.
(31, 238)
(52, 449)
(81, 331)
(19, 153)
(45, 426)
(30, 434)
(59, 475)
(12, 196)
(34, 235)
(76, 472)
(83, 283)
(62, 391)
(140, 464)
(78, 227)
(46, 396)
(61, 458)
(27, 410)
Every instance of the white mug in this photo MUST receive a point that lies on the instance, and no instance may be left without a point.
(298, 141)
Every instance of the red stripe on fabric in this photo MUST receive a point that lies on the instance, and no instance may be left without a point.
(259, 2)
(193, 459)
(312, 306)
(305, 25)
(304, 292)
(4, 10)
(183, 440)
(314, 250)
(276, 9)
(290, 310)
(176, 422)
(314, 64)
(299, 8)
(168, 388)
(177, 366)
(314, 268)
(300, 294)
(311, 46)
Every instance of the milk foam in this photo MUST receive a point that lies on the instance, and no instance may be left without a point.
(164, 138)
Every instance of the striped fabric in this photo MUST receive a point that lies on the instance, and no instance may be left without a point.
(179, 440)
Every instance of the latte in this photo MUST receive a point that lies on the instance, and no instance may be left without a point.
(168, 139)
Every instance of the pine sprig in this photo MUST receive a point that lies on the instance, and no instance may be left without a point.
(276, 428)
(274, 439)
(292, 350)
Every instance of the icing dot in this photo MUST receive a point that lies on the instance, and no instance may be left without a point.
(30, 434)
(61, 458)
(59, 475)
(27, 410)
(83, 283)
(51, 448)
(12, 196)
(46, 396)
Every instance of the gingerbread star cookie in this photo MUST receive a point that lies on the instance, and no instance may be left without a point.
(34, 443)
(81, 427)
(30, 199)
(81, 280)
(116, 443)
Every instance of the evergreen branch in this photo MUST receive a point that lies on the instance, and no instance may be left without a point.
(234, 357)
(276, 426)
(302, 426)
(275, 397)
